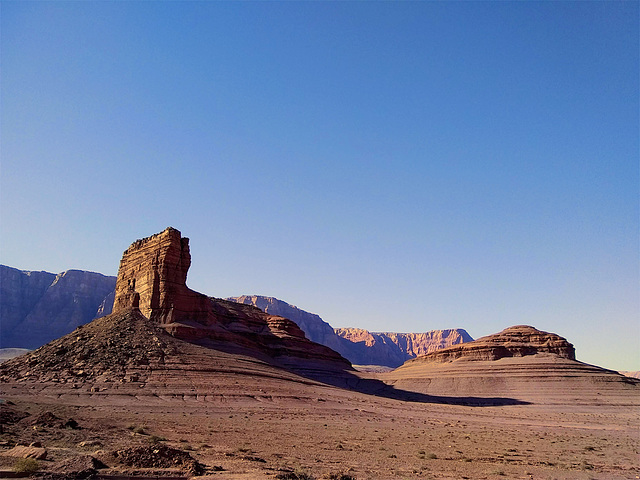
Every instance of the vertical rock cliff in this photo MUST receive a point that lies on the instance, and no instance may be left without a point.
(37, 307)
(152, 278)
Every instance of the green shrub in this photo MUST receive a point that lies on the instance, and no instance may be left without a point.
(26, 465)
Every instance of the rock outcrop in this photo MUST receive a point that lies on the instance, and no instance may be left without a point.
(184, 345)
(152, 278)
(36, 307)
(393, 349)
(359, 346)
(520, 362)
(315, 329)
(517, 341)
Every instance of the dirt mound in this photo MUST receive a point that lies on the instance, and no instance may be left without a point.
(106, 347)
(79, 467)
(49, 420)
(10, 415)
(158, 456)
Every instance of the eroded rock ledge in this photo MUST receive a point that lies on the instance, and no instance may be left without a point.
(516, 341)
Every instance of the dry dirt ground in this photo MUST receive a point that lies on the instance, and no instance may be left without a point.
(324, 432)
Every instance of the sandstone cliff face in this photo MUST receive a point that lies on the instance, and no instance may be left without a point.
(152, 278)
(393, 349)
(517, 341)
(36, 307)
(360, 347)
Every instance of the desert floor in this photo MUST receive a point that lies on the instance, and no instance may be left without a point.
(324, 431)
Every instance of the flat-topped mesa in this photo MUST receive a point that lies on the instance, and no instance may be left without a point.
(516, 341)
(153, 277)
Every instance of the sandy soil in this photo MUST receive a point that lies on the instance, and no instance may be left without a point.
(324, 430)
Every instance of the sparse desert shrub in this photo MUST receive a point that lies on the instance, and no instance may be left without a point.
(297, 475)
(153, 439)
(139, 429)
(341, 476)
(26, 465)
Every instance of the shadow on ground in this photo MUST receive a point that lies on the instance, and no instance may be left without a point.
(378, 388)
(350, 380)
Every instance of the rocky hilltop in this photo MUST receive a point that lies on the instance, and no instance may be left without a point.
(164, 339)
(37, 307)
(359, 346)
(516, 341)
(520, 362)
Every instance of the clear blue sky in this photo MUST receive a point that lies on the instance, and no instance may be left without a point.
(392, 166)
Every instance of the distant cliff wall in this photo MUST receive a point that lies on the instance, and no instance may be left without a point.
(359, 346)
(37, 307)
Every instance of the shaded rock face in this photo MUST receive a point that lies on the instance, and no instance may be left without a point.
(393, 349)
(517, 341)
(152, 278)
(359, 346)
(315, 329)
(36, 307)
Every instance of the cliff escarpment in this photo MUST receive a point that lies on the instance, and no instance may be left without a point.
(37, 307)
(359, 346)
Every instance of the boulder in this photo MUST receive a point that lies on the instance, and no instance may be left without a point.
(23, 451)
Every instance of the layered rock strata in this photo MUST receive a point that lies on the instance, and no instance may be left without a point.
(359, 346)
(393, 349)
(516, 341)
(520, 362)
(315, 329)
(152, 278)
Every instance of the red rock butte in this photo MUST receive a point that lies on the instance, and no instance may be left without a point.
(152, 278)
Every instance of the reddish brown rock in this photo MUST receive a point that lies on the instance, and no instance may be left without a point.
(517, 341)
(520, 363)
(22, 451)
(393, 349)
(359, 346)
(152, 277)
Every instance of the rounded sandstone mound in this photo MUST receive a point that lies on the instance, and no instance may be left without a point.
(516, 341)
(520, 363)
